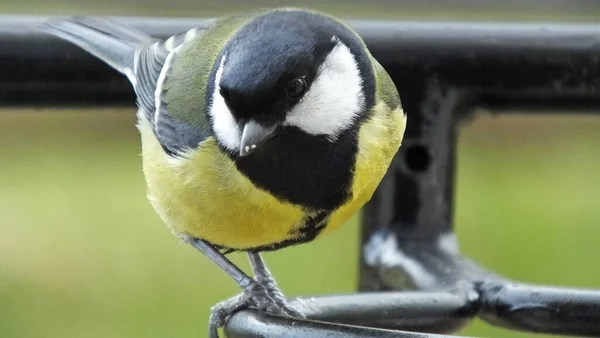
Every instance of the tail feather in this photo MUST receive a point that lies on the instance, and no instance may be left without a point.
(104, 38)
(113, 28)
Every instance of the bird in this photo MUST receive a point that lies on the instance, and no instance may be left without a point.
(259, 131)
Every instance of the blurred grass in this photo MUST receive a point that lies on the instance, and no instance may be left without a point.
(82, 253)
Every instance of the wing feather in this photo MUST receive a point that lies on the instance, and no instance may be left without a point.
(153, 63)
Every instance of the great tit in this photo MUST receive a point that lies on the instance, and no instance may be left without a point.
(260, 131)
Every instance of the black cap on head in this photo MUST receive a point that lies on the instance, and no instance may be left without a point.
(270, 63)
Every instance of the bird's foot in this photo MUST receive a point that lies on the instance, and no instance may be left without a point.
(260, 293)
(257, 297)
(264, 278)
(278, 298)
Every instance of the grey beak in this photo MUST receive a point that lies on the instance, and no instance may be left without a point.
(253, 135)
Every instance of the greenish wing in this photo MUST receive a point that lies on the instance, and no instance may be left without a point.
(152, 64)
(187, 84)
(386, 89)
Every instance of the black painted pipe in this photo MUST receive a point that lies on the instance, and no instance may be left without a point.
(526, 64)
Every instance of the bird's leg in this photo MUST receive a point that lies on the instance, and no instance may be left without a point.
(264, 277)
(255, 294)
(243, 280)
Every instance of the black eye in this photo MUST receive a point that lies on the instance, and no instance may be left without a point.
(296, 88)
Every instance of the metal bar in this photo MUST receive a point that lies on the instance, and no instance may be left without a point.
(250, 323)
(396, 263)
(464, 290)
(555, 60)
(534, 308)
(419, 193)
(565, 104)
(435, 312)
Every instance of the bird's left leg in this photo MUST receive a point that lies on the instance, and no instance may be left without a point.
(264, 277)
(254, 295)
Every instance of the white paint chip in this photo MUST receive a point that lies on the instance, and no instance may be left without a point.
(382, 250)
(448, 243)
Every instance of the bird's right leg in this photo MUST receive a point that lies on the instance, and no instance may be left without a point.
(254, 294)
(263, 276)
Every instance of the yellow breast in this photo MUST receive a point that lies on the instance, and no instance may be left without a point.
(379, 140)
(203, 194)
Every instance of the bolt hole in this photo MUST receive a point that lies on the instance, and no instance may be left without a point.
(417, 158)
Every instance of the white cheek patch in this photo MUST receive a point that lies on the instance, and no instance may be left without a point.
(335, 97)
(224, 125)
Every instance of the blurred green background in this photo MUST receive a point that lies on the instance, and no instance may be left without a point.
(82, 254)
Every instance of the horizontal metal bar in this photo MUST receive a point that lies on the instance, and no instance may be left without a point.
(553, 60)
(250, 323)
(542, 309)
(531, 308)
(453, 291)
(439, 312)
(502, 102)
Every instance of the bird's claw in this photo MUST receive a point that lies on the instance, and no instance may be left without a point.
(271, 300)
(280, 301)
(221, 311)
(291, 312)
(257, 298)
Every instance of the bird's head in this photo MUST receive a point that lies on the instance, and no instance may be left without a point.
(282, 71)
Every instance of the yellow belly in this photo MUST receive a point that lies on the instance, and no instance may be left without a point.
(380, 138)
(205, 196)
